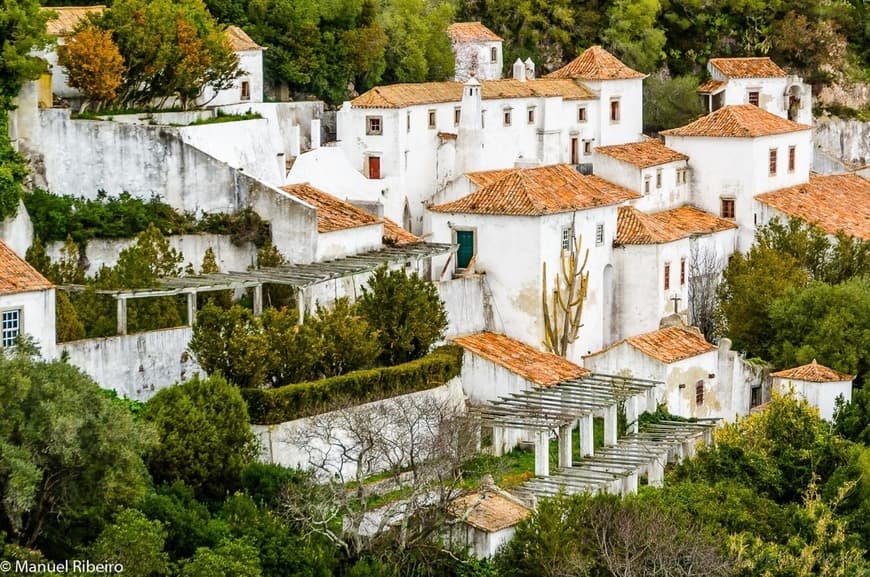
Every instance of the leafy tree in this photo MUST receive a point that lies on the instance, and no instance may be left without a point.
(670, 102)
(344, 340)
(205, 439)
(810, 44)
(13, 169)
(633, 33)
(135, 542)
(231, 558)
(22, 30)
(69, 457)
(407, 313)
(821, 322)
(187, 522)
(852, 420)
(418, 48)
(93, 63)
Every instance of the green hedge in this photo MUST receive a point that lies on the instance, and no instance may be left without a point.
(271, 406)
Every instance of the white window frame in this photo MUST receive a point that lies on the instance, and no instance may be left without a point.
(567, 238)
(10, 326)
(599, 234)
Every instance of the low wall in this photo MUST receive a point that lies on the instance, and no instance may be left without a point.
(136, 366)
(466, 305)
(282, 443)
(179, 118)
(228, 256)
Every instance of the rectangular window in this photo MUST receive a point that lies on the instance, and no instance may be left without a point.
(531, 114)
(646, 181)
(682, 272)
(753, 97)
(667, 276)
(727, 210)
(614, 110)
(587, 147)
(599, 234)
(699, 393)
(771, 162)
(406, 160)
(493, 54)
(483, 118)
(10, 321)
(431, 119)
(374, 125)
(457, 113)
(506, 114)
(246, 90)
(791, 154)
(568, 238)
(581, 114)
(659, 178)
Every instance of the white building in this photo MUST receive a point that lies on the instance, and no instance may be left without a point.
(738, 152)
(68, 17)
(836, 202)
(477, 50)
(681, 358)
(485, 519)
(656, 256)
(27, 304)
(760, 82)
(649, 167)
(816, 383)
(513, 223)
(415, 139)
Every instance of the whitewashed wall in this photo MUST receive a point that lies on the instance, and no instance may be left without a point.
(475, 59)
(278, 445)
(846, 140)
(17, 232)
(465, 304)
(251, 65)
(349, 241)
(820, 395)
(37, 317)
(228, 256)
(670, 195)
(136, 366)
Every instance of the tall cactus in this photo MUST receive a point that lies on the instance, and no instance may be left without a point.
(562, 317)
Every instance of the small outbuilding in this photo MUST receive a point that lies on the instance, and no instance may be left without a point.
(818, 384)
(27, 305)
(485, 519)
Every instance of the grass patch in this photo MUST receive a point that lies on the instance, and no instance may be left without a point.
(843, 112)
(226, 117)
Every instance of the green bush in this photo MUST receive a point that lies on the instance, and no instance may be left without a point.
(271, 406)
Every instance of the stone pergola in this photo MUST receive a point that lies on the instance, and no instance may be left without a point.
(299, 276)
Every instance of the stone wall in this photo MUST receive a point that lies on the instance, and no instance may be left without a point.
(136, 366)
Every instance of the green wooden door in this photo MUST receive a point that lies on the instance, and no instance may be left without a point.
(465, 240)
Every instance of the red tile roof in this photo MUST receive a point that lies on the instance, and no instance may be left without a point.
(834, 202)
(488, 510)
(814, 373)
(536, 366)
(403, 95)
(667, 345)
(596, 63)
(636, 227)
(537, 191)
(16, 275)
(239, 40)
(68, 17)
(762, 67)
(712, 86)
(644, 154)
(332, 213)
(739, 121)
(397, 235)
(471, 32)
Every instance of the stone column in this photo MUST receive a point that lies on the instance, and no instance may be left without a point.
(497, 441)
(629, 484)
(191, 308)
(122, 316)
(258, 299)
(631, 413)
(656, 473)
(610, 425)
(565, 449)
(542, 453)
(587, 436)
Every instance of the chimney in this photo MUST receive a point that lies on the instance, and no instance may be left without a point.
(530, 69)
(471, 106)
(519, 70)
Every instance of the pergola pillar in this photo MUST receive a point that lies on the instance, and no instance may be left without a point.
(587, 435)
(191, 308)
(122, 316)
(629, 484)
(610, 425)
(631, 414)
(542, 453)
(497, 441)
(565, 449)
(656, 473)
(258, 299)
(300, 306)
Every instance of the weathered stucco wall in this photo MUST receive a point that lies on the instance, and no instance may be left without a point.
(17, 232)
(466, 304)
(845, 140)
(136, 366)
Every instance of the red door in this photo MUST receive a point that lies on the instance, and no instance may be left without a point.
(375, 167)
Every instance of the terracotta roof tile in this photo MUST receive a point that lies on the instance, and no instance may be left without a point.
(397, 235)
(403, 95)
(239, 40)
(814, 373)
(712, 86)
(332, 213)
(488, 510)
(644, 154)
(68, 17)
(537, 191)
(596, 63)
(16, 275)
(635, 227)
(834, 202)
(536, 366)
(762, 67)
(668, 345)
(471, 32)
(739, 121)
